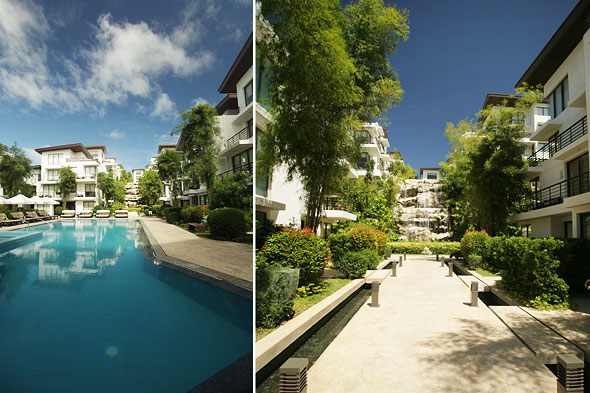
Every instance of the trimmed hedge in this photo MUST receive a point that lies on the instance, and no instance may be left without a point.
(354, 264)
(192, 213)
(417, 247)
(227, 223)
(473, 243)
(173, 215)
(297, 248)
(58, 210)
(363, 236)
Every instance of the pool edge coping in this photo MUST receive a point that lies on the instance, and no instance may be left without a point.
(224, 281)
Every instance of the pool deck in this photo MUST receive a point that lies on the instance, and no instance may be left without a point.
(225, 264)
(425, 337)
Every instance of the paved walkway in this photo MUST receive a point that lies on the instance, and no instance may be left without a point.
(229, 258)
(425, 338)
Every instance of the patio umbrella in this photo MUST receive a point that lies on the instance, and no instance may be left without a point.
(20, 199)
(49, 201)
(4, 201)
(37, 200)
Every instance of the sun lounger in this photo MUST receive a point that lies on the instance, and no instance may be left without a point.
(68, 214)
(121, 214)
(32, 216)
(85, 214)
(4, 220)
(20, 216)
(103, 213)
(43, 214)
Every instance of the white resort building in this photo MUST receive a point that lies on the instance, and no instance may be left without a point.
(85, 161)
(559, 201)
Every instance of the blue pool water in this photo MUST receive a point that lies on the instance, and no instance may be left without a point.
(83, 310)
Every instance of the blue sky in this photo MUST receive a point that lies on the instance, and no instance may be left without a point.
(112, 72)
(458, 51)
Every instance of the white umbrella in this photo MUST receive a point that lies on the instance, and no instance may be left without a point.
(37, 200)
(20, 199)
(4, 201)
(49, 201)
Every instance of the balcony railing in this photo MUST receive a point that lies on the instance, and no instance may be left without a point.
(565, 138)
(556, 193)
(244, 134)
(243, 168)
(337, 203)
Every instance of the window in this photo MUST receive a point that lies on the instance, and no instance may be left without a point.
(577, 175)
(362, 162)
(242, 162)
(262, 83)
(202, 199)
(248, 93)
(49, 190)
(362, 136)
(261, 181)
(558, 99)
(518, 118)
(542, 110)
(585, 226)
(52, 174)
(54, 159)
(89, 191)
(526, 230)
(431, 175)
(90, 172)
(88, 205)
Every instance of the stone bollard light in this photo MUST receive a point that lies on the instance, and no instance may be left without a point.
(570, 374)
(400, 261)
(450, 269)
(404, 255)
(474, 297)
(375, 294)
(437, 256)
(442, 262)
(393, 269)
(293, 376)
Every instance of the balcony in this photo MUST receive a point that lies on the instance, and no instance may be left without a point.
(556, 193)
(336, 209)
(244, 168)
(239, 142)
(564, 139)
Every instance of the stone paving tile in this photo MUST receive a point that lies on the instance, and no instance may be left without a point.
(424, 337)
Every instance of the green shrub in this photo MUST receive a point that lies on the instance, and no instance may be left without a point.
(3, 208)
(269, 315)
(354, 264)
(475, 261)
(162, 212)
(227, 223)
(364, 236)
(156, 210)
(574, 267)
(298, 248)
(58, 210)
(387, 252)
(340, 244)
(473, 243)
(264, 228)
(529, 271)
(443, 248)
(275, 289)
(173, 215)
(311, 289)
(117, 206)
(192, 214)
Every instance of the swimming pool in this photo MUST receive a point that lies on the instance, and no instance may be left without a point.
(82, 309)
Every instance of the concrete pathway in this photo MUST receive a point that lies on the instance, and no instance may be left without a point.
(229, 258)
(425, 338)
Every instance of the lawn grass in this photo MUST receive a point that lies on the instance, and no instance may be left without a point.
(303, 303)
(485, 273)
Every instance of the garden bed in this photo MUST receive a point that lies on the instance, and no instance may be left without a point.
(303, 303)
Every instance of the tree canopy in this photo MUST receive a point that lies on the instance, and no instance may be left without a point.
(66, 183)
(170, 169)
(199, 131)
(232, 191)
(112, 188)
(483, 173)
(15, 168)
(327, 74)
(150, 187)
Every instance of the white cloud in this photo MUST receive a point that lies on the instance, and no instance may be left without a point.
(199, 100)
(165, 138)
(33, 155)
(164, 107)
(242, 2)
(24, 73)
(128, 56)
(115, 134)
(123, 60)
